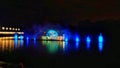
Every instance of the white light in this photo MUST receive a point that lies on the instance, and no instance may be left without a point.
(13, 29)
(2, 32)
(10, 28)
(6, 28)
(3, 28)
(18, 29)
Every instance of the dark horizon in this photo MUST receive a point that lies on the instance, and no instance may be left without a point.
(60, 11)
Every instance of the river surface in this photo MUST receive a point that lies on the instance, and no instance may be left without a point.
(37, 54)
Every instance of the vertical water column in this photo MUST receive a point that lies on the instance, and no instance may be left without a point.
(100, 42)
(77, 41)
(21, 40)
(16, 40)
(88, 41)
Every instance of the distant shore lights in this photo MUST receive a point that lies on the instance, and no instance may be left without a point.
(9, 28)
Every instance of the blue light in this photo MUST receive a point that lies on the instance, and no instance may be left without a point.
(88, 45)
(21, 37)
(66, 39)
(15, 36)
(65, 46)
(77, 39)
(88, 39)
(100, 38)
(77, 44)
(21, 42)
(52, 34)
(16, 43)
(100, 46)
(16, 40)
(27, 40)
(100, 42)
(34, 40)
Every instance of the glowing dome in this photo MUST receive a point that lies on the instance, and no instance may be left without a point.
(52, 34)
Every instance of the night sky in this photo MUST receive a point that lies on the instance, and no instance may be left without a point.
(70, 11)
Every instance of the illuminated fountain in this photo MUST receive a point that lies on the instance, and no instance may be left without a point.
(52, 35)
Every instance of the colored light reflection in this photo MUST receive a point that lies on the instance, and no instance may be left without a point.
(27, 38)
(16, 40)
(77, 44)
(27, 41)
(21, 42)
(88, 45)
(21, 37)
(88, 41)
(77, 38)
(53, 46)
(34, 40)
(7, 44)
(16, 43)
(100, 38)
(100, 46)
(65, 46)
(100, 42)
(15, 36)
(66, 39)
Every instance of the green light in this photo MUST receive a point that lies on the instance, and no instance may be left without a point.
(52, 46)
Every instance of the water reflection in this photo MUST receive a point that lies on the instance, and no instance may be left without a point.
(100, 42)
(88, 45)
(77, 44)
(27, 41)
(21, 42)
(100, 46)
(53, 46)
(9, 44)
(15, 43)
(34, 41)
(88, 41)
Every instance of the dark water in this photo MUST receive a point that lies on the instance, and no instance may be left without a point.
(37, 54)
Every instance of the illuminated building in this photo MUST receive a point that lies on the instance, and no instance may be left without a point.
(9, 32)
